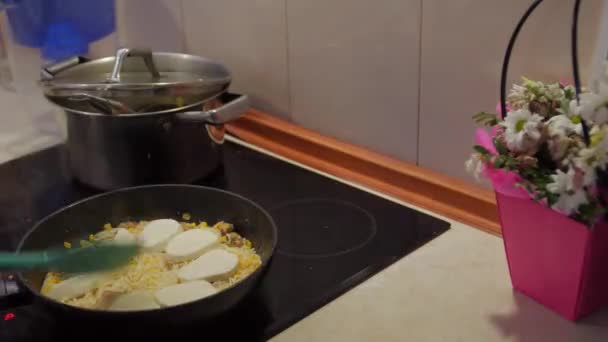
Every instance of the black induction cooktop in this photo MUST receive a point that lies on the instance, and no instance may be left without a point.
(331, 238)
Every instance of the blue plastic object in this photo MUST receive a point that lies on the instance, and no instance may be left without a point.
(8, 3)
(28, 22)
(60, 27)
(63, 40)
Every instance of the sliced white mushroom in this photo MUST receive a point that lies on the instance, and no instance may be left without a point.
(214, 265)
(124, 236)
(76, 286)
(191, 244)
(157, 233)
(108, 234)
(184, 293)
(106, 296)
(138, 300)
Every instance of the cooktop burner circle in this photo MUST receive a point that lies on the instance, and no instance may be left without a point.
(317, 227)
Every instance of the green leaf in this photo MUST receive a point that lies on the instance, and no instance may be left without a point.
(569, 93)
(499, 162)
(552, 199)
(481, 149)
(499, 146)
(486, 119)
(511, 163)
(588, 213)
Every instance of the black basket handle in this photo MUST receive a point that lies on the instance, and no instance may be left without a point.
(574, 53)
(575, 70)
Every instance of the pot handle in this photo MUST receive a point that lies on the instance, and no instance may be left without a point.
(11, 293)
(231, 110)
(49, 71)
(122, 54)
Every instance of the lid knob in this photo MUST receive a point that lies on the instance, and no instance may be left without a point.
(122, 54)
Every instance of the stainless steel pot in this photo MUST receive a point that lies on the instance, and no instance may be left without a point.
(164, 140)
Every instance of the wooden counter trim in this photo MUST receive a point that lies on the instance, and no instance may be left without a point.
(410, 183)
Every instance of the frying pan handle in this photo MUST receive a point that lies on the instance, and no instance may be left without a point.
(49, 71)
(11, 293)
(122, 54)
(229, 111)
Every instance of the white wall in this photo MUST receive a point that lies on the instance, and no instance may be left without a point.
(250, 37)
(353, 71)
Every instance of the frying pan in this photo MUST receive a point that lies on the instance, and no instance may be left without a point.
(88, 216)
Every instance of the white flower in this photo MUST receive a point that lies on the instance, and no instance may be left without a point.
(589, 176)
(568, 203)
(560, 129)
(554, 91)
(563, 125)
(558, 148)
(589, 158)
(522, 133)
(545, 96)
(591, 107)
(474, 166)
(594, 156)
(562, 182)
(570, 196)
(518, 96)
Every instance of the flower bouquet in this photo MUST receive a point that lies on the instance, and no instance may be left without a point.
(539, 149)
(546, 155)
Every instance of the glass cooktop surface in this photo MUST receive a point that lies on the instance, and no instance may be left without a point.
(331, 238)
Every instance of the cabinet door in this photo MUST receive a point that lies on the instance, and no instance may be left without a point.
(463, 43)
(353, 71)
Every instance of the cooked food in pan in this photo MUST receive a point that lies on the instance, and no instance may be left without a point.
(178, 262)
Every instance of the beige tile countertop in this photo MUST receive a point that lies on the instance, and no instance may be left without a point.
(456, 288)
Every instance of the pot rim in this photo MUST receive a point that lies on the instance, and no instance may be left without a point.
(55, 82)
(136, 115)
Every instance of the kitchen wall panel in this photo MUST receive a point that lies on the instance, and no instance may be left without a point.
(353, 69)
(154, 24)
(463, 43)
(249, 36)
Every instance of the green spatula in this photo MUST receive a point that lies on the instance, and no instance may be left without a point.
(77, 260)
